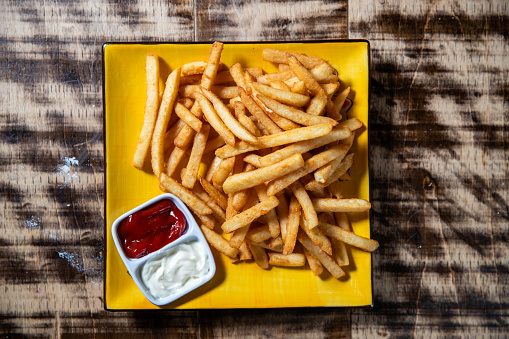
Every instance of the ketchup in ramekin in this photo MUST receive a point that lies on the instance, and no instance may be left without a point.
(151, 228)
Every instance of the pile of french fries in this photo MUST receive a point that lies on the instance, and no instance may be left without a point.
(275, 148)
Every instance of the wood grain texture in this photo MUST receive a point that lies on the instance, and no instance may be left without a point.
(439, 136)
(439, 164)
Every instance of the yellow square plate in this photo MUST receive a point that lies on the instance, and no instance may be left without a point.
(242, 285)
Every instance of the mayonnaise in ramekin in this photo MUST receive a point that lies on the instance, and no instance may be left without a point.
(179, 267)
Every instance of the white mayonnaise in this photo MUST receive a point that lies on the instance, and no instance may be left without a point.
(181, 266)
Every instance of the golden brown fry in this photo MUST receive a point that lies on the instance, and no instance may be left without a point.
(332, 112)
(259, 256)
(338, 133)
(184, 194)
(287, 260)
(233, 125)
(294, 114)
(277, 76)
(219, 243)
(214, 193)
(213, 63)
(259, 234)
(249, 215)
(309, 166)
(186, 116)
(339, 100)
(272, 220)
(338, 172)
(304, 75)
(213, 144)
(212, 168)
(258, 176)
(349, 238)
(238, 236)
(339, 252)
(292, 226)
(278, 139)
(352, 123)
(253, 159)
(299, 87)
(237, 73)
(316, 236)
(326, 260)
(330, 90)
(258, 113)
(314, 264)
(281, 57)
(172, 133)
(244, 120)
(322, 72)
(196, 67)
(306, 204)
(163, 117)
(217, 212)
(191, 173)
(341, 205)
(214, 120)
(317, 104)
(222, 172)
(173, 161)
(286, 97)
(150, 117)
(186, 135)
(282, 212)
(187, 102)
(245, 252)
(278, 84)
(207, 220)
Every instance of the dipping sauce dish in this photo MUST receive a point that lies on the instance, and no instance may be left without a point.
(163, 249)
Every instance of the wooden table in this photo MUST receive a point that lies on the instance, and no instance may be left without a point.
(439, 135)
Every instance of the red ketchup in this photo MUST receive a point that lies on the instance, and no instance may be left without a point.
(151, 228)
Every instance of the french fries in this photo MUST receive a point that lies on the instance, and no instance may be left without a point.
(272, 192)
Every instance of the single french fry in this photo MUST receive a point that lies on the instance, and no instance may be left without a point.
(332, 112)
(322, 72)
(287, 260)
(191, 173)
(265, 245)
(172, 133)
(341, 205)
(196, 67)
(212, 168)
(330, 89)
(310, 165)
(240, 198)
(151, 105)
(342, 221)
(281, 57)
(214, 193)
(326, 260)
(317, 236)
(222, 172)
(278, 84)
(272, 220)
(259, 234)
(339, 171)
(277, 76)
(213, 144)
(258, 176)
(238, 236)
(217, 212)
(286, 97)
(339, 252)
(163, 117)
(299, 87)
(294, 114)
(233, 125)
(190, 80)
(352, 123)
(349, 238)
(317, 104)
(292, 226)
(245, 252)
(219, 243)
(283, 67)
(237, 73)
(282, 212)
(303, 74)
(276, 242)
(259, 256)
(258, 113)
(186, 135)
(207, 220)
(338, 133)
(214, 120)
(306, 204)
(212, 67)
(184, 194)
(314, 264)
(186, 116)
(240, 114)
(173, 161)
(253, 159)
(339, 100)
(225, 92)
(249, 215)
(278, 139)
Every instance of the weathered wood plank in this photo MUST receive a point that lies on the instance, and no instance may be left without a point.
(439, 163)
(269, 21)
